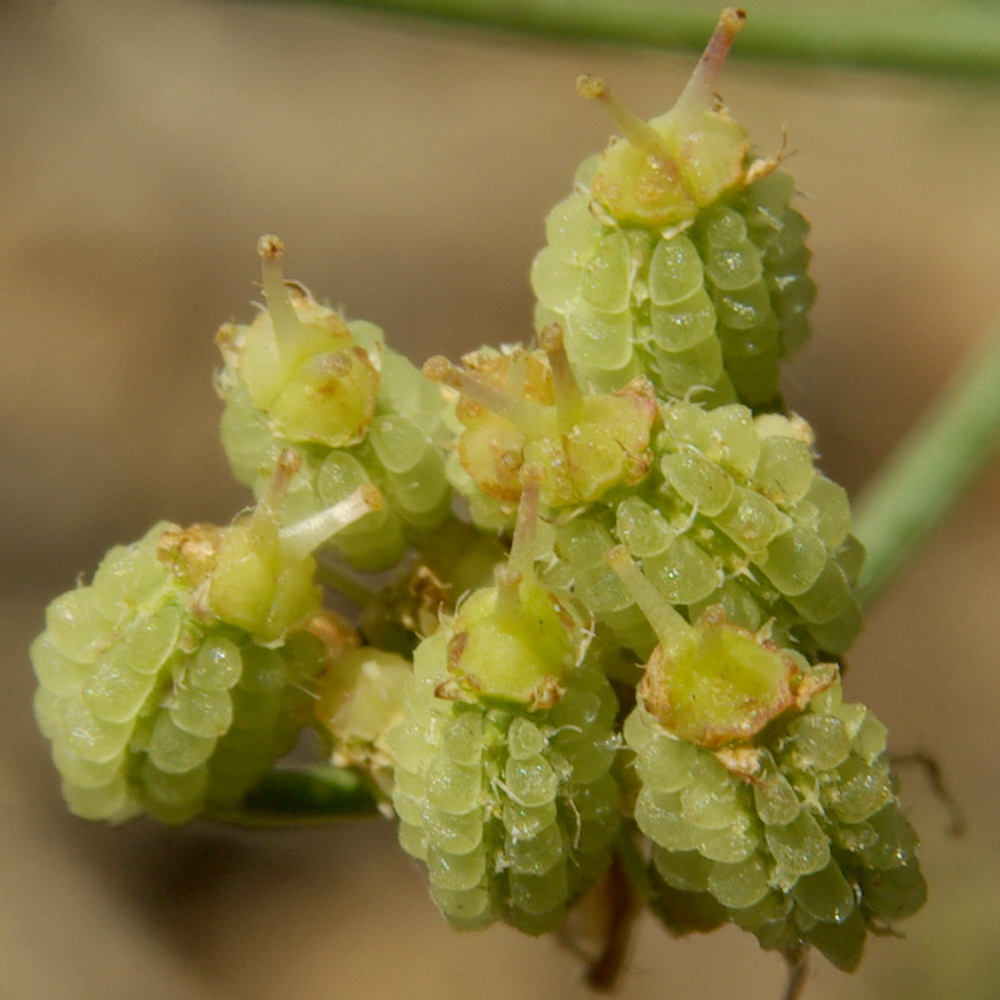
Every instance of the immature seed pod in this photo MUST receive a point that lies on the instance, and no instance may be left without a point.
(761, 789)
(798, 837)
(357, 413)
(503, 757)
(678, 255)
(173, 680)
(359, 700)
(732, 513)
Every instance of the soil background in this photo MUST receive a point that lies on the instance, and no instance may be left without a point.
(145, 148)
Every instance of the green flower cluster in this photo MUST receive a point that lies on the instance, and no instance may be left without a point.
(613, 591)
(678, 255)
(718, 303)
(181, 673)
(809, 846)
(355, 411)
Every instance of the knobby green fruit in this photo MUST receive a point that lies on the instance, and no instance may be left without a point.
(678, 256)
(503, 778)
(173, 680)
(798, 836)
(357, 413)
(737, 514)
(769, 801)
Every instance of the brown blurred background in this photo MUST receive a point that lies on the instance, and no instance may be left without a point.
(145, 147)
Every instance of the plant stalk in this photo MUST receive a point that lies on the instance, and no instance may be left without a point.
(957, 39)
(928, 473)
(302, 796)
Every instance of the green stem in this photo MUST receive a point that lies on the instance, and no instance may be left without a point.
(302, 796)
(346, 586)
(954, 39)
(930, 470)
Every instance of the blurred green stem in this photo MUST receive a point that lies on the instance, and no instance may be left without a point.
(300, 796)
(955, 38)
(931, 469)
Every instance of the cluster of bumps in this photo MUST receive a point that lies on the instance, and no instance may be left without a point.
(613, 592)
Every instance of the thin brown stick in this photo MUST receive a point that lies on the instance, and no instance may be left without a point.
(797, 960)
(623, 908)
(935, 778)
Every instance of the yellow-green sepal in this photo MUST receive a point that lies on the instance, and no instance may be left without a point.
(513, 655)
(719, 683)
